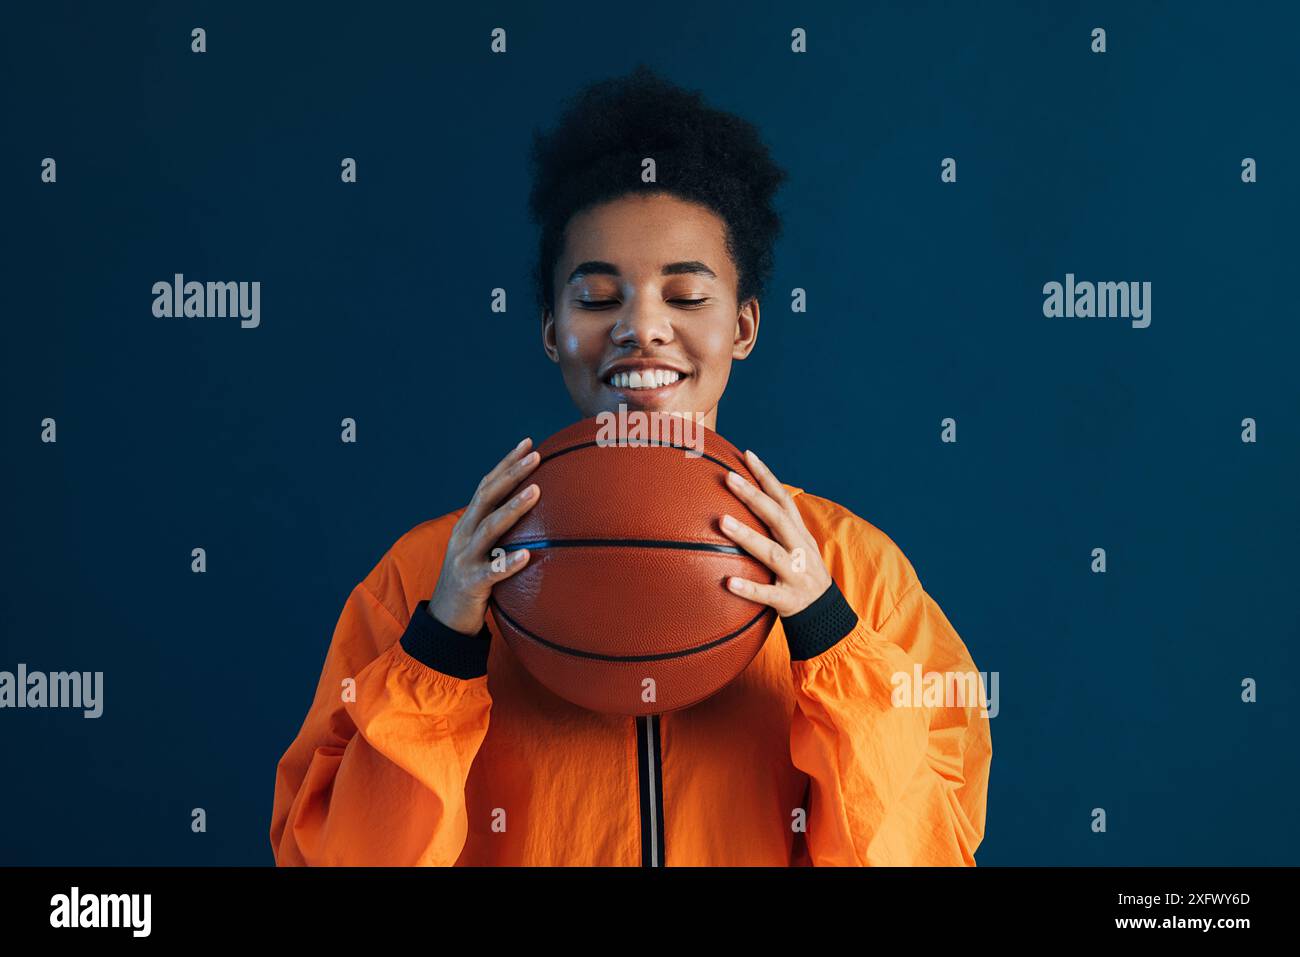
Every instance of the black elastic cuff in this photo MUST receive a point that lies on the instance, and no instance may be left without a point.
(821, 625)
(444, 649)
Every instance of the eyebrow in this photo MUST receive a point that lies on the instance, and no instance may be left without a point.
(598, 267)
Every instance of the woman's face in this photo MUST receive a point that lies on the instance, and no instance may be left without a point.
(645, 290)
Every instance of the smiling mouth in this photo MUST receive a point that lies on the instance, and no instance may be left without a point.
(647, 381)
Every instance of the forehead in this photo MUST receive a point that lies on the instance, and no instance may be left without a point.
(644, 232)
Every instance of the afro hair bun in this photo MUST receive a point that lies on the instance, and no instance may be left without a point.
(702, 155)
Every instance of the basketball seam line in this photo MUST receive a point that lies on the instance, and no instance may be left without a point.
(544, 543)
(636, 445)
(618, 658)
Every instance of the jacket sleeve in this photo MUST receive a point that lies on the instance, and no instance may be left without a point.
(889, 784)
(376, 775)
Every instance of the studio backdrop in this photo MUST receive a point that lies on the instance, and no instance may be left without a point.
(1032, 316)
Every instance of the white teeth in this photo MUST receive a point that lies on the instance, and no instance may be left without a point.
(650, 379)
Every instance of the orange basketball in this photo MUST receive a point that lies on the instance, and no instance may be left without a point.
(623, 606)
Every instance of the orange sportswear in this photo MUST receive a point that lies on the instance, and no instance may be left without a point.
(425, 746)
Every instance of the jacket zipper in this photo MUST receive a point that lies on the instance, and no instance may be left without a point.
(650, 780)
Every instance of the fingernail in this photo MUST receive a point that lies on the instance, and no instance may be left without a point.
(518, 556)
(730, 523)
(522, 443)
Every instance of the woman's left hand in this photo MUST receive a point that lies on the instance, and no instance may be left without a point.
(794, 557)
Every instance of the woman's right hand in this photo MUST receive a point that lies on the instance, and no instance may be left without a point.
(460, 598)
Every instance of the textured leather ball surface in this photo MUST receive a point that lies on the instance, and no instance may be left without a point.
(627, 575)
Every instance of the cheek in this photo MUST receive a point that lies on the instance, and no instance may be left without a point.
(710, 348)
(580, 355)
(570, 343)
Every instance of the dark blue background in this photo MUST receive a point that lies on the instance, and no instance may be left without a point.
(1119, 691)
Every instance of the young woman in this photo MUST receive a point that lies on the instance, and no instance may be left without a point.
(428, 743)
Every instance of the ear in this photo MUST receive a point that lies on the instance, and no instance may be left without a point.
(746, 330)
(548, 336)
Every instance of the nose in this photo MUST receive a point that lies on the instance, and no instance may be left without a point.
(644, 322)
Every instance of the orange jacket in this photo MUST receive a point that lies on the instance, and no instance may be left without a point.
(458, 756)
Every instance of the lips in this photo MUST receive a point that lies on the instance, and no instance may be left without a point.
(654, 396)
(643, 389)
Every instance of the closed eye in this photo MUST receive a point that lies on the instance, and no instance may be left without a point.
(596, 304)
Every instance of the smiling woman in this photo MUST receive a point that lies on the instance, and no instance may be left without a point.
(657, 233)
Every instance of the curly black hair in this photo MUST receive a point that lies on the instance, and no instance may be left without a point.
(701, 154)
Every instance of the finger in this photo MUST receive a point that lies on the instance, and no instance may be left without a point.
(518, 452)
(761, 547)
(764, 594)
(770, 483)
(508, 473)
(511, 458)
(495, 570)
(499, 521)
(762, 505)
